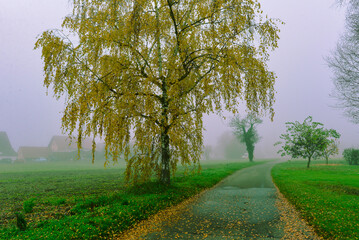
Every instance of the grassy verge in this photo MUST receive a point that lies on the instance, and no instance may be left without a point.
(87, 203)
(326, 196)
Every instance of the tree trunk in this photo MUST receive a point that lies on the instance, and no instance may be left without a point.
(165, 139)
(250, 154)
(250, 150)
(327, 160)
(249, 144)
(308, 164)
(165, 177)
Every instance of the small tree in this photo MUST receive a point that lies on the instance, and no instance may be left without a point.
(246, 132)
(331, 149)
(306, 140)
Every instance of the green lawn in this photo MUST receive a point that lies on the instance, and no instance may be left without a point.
(326, 196)
(75, 200)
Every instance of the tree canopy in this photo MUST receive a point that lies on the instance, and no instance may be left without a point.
(146, 71)
(246, 132)
(307, 139)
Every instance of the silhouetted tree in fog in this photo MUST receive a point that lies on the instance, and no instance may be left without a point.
(246, 132)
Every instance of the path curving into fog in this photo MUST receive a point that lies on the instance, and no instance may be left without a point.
(246, 205)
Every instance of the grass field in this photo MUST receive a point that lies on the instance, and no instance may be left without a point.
(326, 196)
(74, 200)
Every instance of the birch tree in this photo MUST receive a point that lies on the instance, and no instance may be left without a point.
(146, 71)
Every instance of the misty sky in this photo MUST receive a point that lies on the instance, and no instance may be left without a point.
(312, 28)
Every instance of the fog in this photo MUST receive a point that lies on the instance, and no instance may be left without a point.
(304, 83)
(311, 30)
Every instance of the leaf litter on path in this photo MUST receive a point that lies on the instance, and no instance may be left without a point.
(228, 211)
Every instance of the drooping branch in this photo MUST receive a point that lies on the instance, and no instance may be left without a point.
(145, 72)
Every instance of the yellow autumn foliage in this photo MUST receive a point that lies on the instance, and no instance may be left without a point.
(145, 71)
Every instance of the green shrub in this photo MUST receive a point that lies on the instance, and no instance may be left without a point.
(93, 202)
(29, 205)
(20, 221)
(351, 155)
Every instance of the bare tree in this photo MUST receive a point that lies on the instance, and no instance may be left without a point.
(344, 62)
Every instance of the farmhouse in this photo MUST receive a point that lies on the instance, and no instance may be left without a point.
(62, 148)
(7, 153)
(32, 153)
(63, 144)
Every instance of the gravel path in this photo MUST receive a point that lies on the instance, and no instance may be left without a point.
(246, 205)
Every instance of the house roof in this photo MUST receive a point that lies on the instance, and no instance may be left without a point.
(5, 145)
(64, 144)
(33, 152)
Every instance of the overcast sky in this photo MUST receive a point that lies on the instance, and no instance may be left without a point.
(311, 30)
